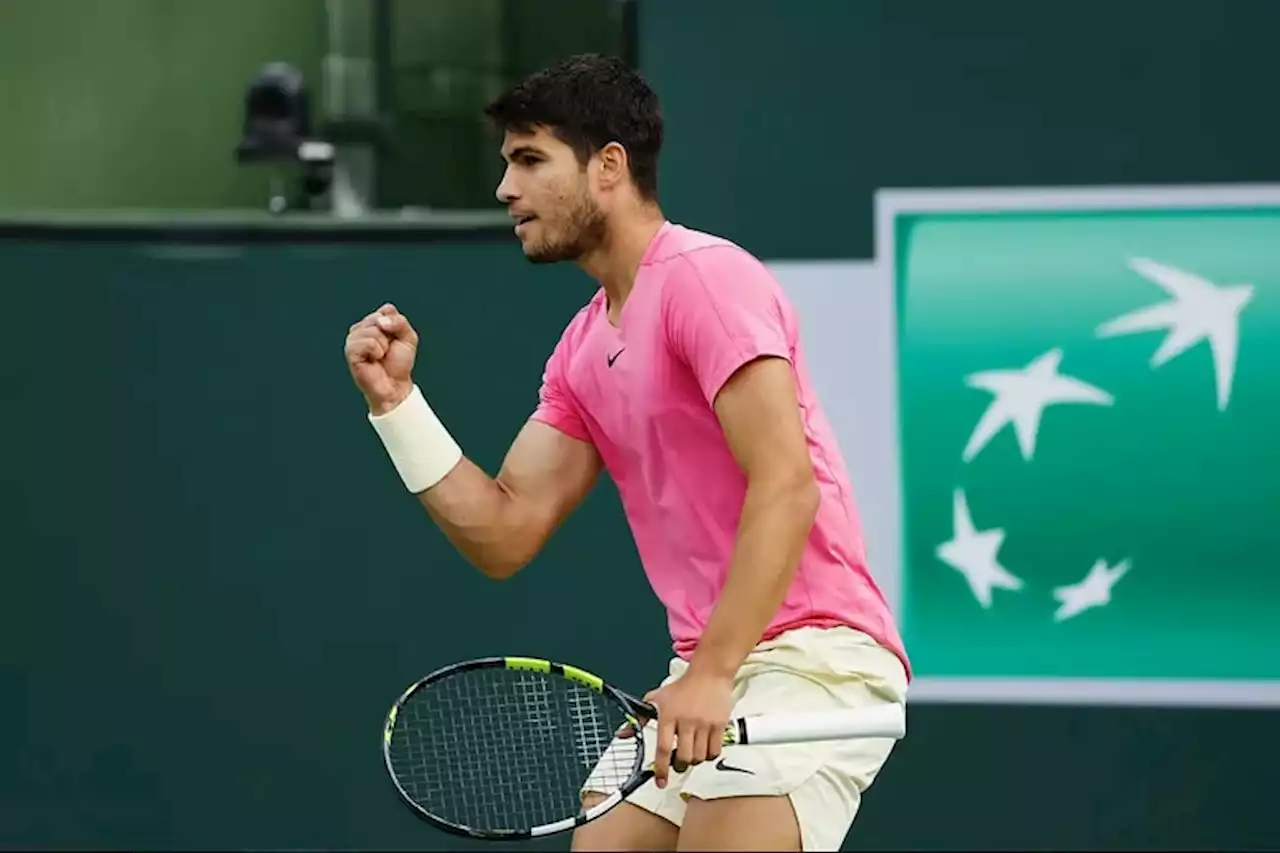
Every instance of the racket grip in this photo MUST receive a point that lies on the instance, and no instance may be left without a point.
(880, 721)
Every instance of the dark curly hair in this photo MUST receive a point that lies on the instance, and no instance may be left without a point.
(588, 101)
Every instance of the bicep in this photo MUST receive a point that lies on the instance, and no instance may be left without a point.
(759, 411)
(552, 463)
(549, 472)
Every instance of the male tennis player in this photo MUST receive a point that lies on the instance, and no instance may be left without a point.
(685, 378)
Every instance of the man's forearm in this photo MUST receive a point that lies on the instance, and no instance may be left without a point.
(774, 526)
(482, 519)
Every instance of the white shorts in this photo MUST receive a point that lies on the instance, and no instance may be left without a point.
(801, 670)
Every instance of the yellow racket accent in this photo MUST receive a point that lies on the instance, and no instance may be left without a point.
(391, 724)
(529, 664)
(583, 677)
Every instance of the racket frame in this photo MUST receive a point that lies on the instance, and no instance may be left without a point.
(633, 708)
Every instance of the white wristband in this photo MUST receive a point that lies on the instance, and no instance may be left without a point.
(419, 445)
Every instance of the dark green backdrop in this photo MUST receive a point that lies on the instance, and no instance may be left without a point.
(786, 116)
(214, 584)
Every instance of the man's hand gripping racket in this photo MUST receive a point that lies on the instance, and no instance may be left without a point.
(692, 715)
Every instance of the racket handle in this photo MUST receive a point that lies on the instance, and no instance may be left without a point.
(880, 721)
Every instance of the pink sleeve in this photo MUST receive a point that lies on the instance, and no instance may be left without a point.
(722, 310)
(556, 404)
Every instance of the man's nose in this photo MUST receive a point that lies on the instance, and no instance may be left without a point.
(506, 188)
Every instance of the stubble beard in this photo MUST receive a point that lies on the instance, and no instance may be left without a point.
(585, 229)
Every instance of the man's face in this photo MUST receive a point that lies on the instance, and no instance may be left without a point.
(549, 194)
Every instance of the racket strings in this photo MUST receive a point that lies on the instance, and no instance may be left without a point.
(500, 749)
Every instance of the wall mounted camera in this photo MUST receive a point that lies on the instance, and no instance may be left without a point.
(277, 133)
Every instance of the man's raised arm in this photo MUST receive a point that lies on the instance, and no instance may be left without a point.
(498, 523)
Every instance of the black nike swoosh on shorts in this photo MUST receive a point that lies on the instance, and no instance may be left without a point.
(720, 765)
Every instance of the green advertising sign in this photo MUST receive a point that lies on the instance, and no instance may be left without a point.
(1089, 410)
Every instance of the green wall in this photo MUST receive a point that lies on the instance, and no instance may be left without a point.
(785, 117)
(139, 103)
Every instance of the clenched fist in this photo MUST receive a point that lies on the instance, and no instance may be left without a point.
(380, 352)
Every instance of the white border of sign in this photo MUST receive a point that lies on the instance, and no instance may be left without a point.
(892, 203)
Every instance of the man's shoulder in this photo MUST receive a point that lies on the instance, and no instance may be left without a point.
(697, 247)
(697, 262)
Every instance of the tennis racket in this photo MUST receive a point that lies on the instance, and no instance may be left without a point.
(503, 748)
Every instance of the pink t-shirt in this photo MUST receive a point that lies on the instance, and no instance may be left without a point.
(642, 394)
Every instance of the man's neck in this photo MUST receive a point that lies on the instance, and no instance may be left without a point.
(614, 264)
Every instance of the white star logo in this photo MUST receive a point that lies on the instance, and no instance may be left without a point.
(973, 553)
(1093, 591)
(1021, 397)
(1200, 310)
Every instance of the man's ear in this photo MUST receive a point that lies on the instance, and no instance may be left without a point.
(613, 165)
